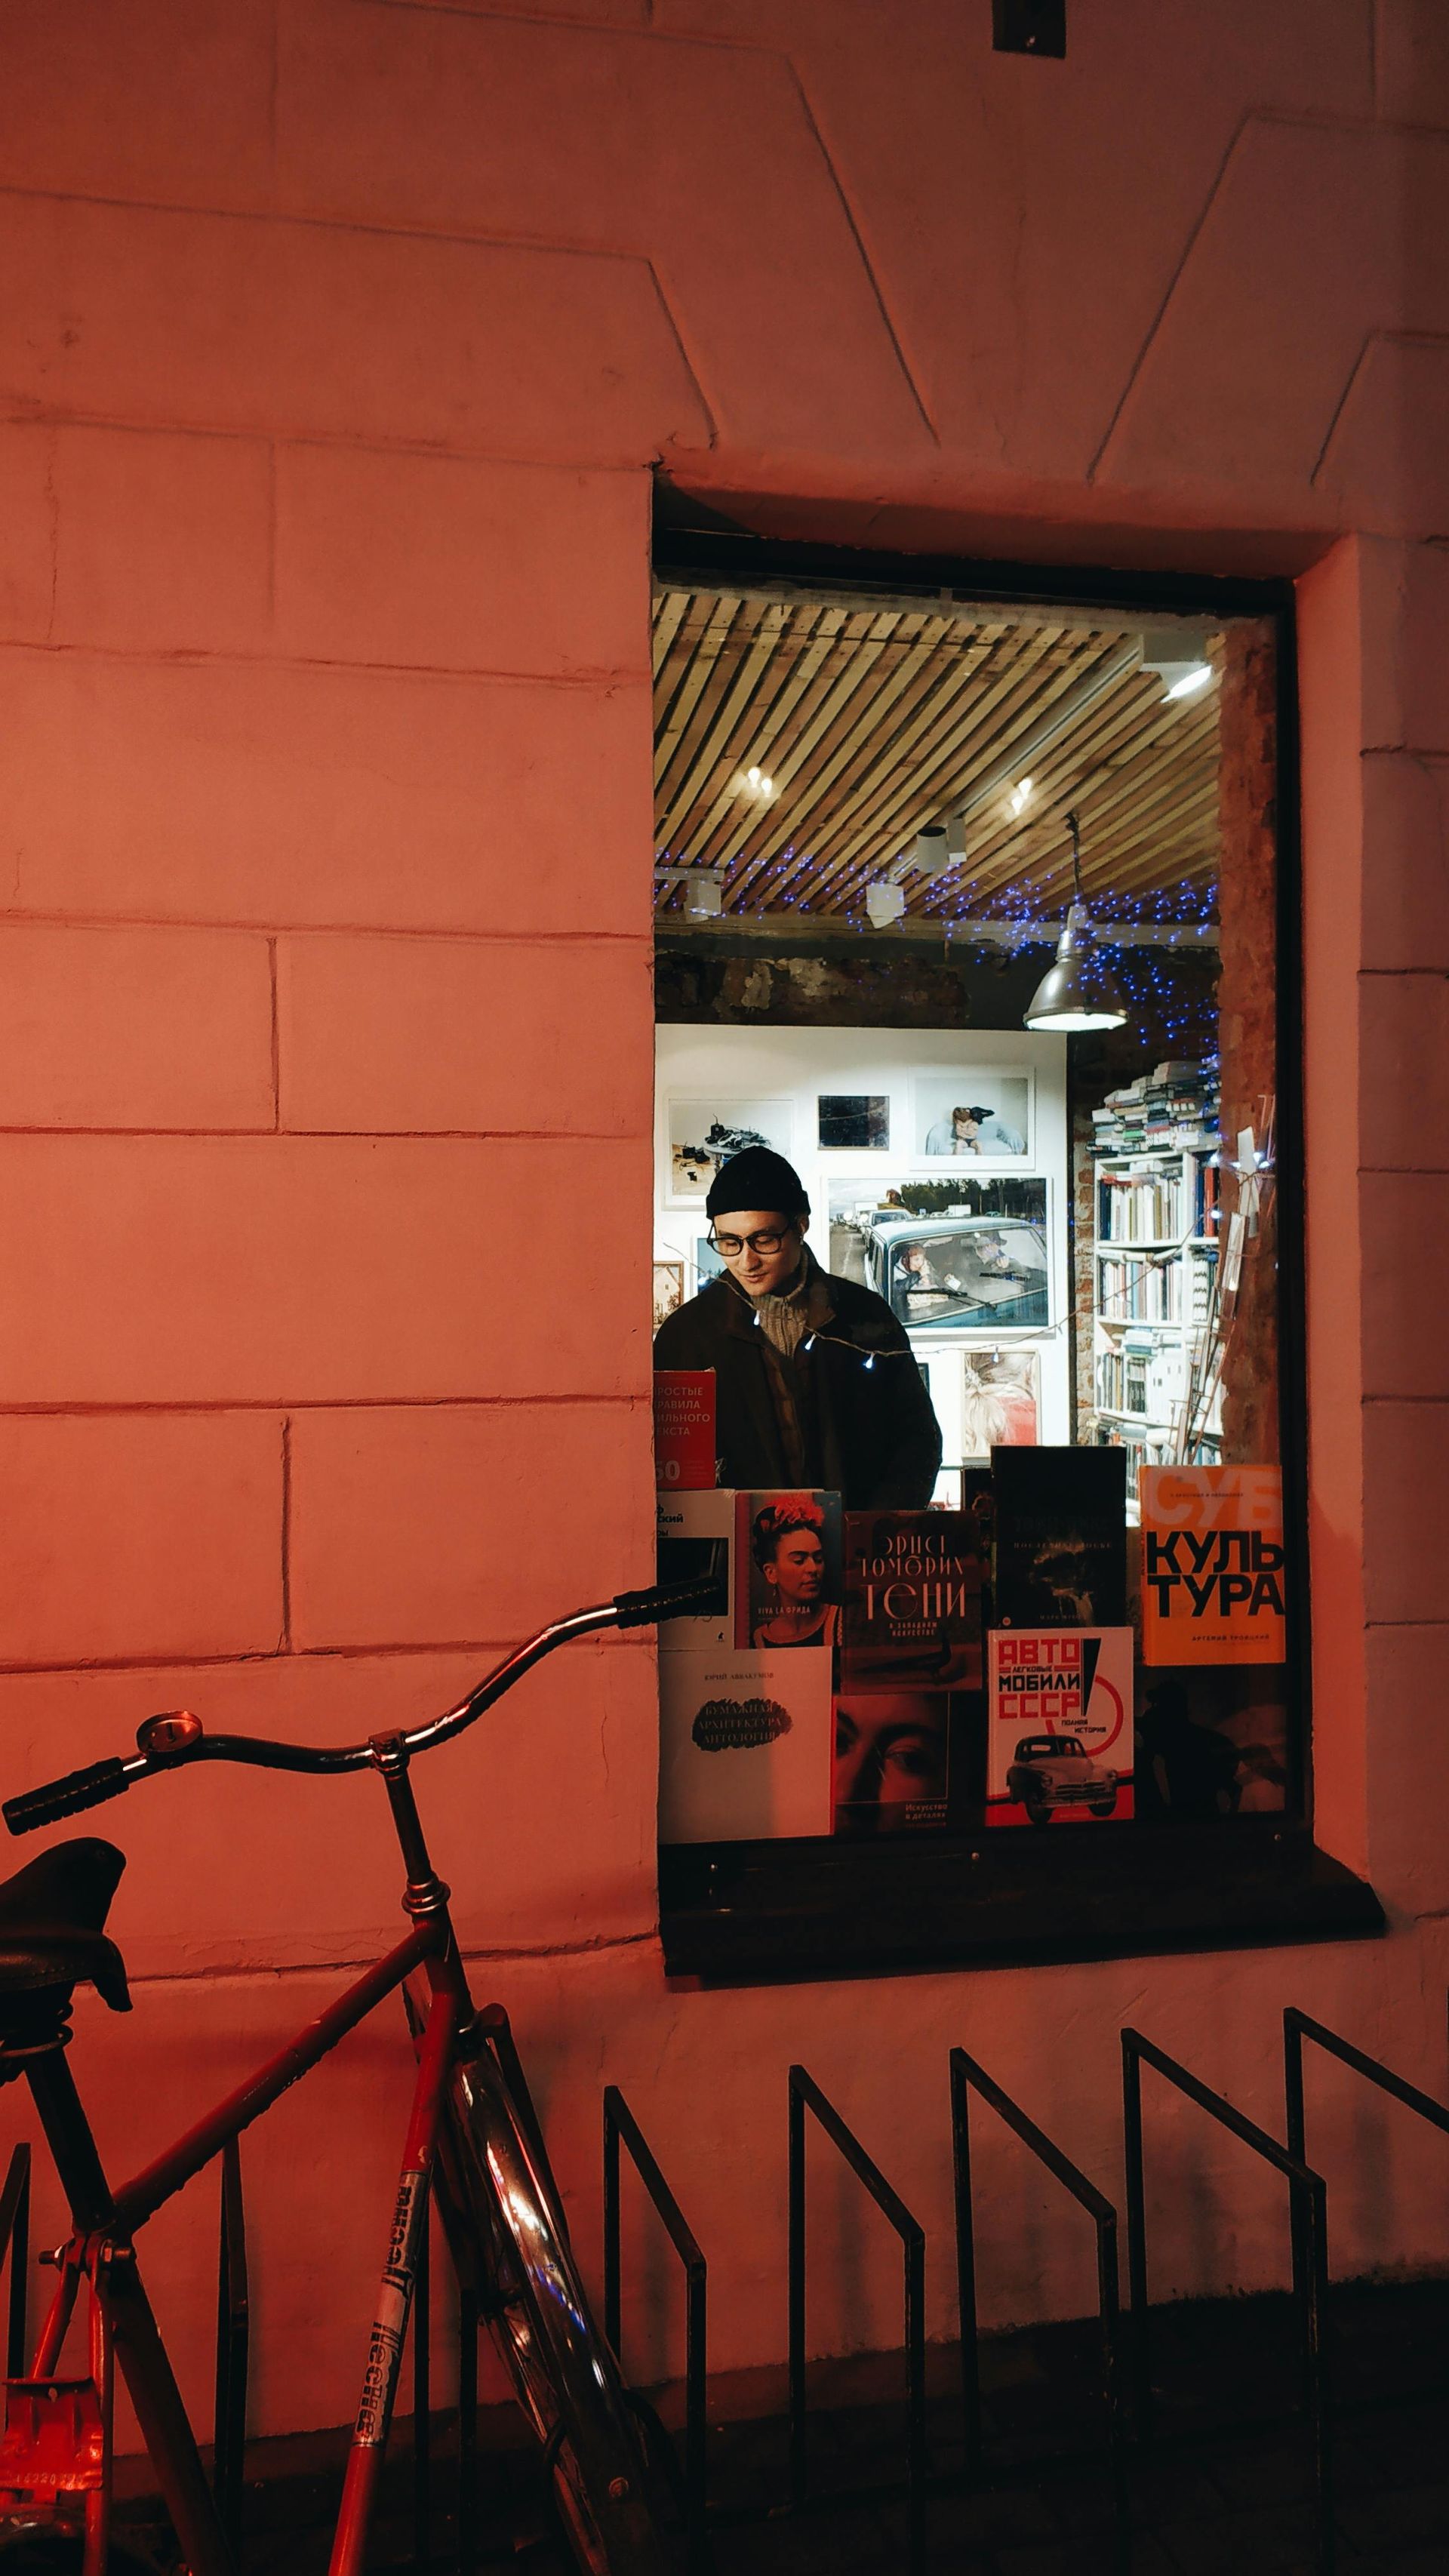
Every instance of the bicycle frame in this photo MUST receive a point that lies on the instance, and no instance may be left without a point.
(101, 2252)
(41, 2455)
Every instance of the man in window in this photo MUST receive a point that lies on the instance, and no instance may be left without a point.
(815, 1381)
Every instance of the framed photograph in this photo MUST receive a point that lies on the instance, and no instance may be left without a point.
(668, 1289)
(947, 1256)
(1000, 1399)
(700, 1135)
(853, 1122)
(972, 1117)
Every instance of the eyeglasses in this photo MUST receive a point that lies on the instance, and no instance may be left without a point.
(730, 1246)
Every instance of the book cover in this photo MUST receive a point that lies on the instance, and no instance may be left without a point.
(1061, 1538)
(1059, 1726)
(1212, 1565)
(684, 1432)
(787, 1571)
(892, 1760)
(912, 1612)
(745, 1746)
(694, 1536)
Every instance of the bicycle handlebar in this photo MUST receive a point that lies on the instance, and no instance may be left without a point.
(167, 1742)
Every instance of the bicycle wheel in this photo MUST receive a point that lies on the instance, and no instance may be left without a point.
(564, 2373)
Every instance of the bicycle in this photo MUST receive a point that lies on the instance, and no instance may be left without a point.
(472, 2143)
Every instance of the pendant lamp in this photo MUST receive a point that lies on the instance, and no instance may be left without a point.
(1079, 990)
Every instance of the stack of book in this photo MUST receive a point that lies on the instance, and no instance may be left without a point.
(1173, 1107)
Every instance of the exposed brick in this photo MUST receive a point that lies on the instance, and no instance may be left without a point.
(162, 542)
(411, 1035)
(257, 794)
(199, 321)
(483, 1522)
(27, 533)
(454, 565)
(134, 1028)
(217, 1270)
(223, 1871)
(1405, 1510)
(140, 1534)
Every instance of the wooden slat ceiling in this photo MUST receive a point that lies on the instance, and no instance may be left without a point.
(872, 721)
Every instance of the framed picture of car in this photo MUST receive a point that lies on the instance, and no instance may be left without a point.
(951, 1273)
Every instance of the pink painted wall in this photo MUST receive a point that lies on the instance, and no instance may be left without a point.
(337, 340)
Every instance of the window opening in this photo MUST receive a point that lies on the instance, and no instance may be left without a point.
(968, 909)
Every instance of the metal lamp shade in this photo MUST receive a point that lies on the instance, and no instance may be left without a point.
(1079, 990)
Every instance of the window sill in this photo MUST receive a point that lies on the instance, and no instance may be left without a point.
(771, 1912)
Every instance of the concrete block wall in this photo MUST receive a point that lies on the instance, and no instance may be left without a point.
(338, 341)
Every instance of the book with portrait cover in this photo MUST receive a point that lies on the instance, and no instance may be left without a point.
(913, 1598)
(787, 1571)
(1061, 1538)
(745, 1749)
(893, 1759)
(1059, 1726)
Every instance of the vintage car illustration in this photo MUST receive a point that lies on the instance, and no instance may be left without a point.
(1052, 1771)
(957, 1270)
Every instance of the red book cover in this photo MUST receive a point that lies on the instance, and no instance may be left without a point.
(684, 1437)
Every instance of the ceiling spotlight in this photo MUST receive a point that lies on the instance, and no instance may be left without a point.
(1020, 797)
(1078, 990)
(885, 903)
(758, 783)
(931, 852)
(1194, 678)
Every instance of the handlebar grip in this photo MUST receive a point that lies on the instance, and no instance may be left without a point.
(667, 1601)
(78, 1789)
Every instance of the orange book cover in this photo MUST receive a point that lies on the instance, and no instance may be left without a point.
(1212, 1565)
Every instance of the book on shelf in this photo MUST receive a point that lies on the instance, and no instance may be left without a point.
(913, 1587)
(745, 1749)
(1059, 1735)
(694, 1536)
(1212, 1565)
(684, 1428)
(1176, 1105)
(893, 1757)
(1061, 1544)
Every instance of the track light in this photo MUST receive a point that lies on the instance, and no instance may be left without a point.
(1079, 990)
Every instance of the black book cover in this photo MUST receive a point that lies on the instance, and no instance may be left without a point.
(1061, 1538)
(913, 1599)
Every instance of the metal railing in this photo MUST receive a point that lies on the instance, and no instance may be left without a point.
(805, 2095)
(1308, 2199)
(968, 2077)
(622, 2129)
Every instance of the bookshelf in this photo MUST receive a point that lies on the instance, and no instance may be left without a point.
(1156, 1204)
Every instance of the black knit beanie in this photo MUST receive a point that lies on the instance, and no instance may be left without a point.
(757, 1178)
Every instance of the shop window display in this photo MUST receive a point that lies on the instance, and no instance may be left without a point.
(1075, 1226)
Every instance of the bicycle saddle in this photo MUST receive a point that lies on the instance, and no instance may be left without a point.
(52, 1922)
